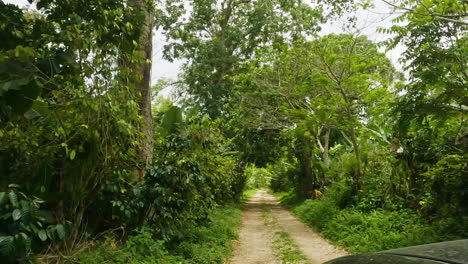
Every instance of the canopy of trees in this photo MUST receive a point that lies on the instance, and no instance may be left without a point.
(83, 150)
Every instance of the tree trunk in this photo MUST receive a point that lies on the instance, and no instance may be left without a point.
(307, 180)
(358, 176)
(324, 148)
(145, 151)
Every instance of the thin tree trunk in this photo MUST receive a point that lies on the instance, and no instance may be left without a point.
(324, 148)
(358, 176)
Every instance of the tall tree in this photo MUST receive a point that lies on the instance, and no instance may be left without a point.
(142, 70)
(432, 107)
(218, 35)
(332, 83)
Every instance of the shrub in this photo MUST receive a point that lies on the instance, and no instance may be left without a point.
(340, 193)
(317, 212)
(362, 229)
(204, 244)
(290, 198)
(24, 226)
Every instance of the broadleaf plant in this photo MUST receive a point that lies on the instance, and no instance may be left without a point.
(24, 226)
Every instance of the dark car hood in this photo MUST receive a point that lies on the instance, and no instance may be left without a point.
(451, 252)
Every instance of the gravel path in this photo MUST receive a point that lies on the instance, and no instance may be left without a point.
(255, 239)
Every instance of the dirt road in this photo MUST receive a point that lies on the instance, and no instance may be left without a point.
(256, 237)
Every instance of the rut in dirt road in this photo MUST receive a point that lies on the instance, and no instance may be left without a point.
(255, 238)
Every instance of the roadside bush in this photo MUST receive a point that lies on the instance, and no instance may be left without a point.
(283, 175)
(290, 198)
(203, 244)
(377, 230)
(317, 212)
(211, 243)
(362, 229)
(340, 194)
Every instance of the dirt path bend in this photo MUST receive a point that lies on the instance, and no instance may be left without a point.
(255, 239)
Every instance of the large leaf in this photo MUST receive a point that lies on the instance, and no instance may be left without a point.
(47, 216)
(16, 214)
(13, 199)
(13, 85)
(171, 121)
(60, 231)
(65, 57)
(21, 100)
(42, 235)
(2, 198)
(25, 210)
(38, 109)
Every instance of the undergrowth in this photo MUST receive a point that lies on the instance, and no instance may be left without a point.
(246, 195)
(210, 243)
(365, 231)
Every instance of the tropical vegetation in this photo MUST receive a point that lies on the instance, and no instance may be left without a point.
(95, 167)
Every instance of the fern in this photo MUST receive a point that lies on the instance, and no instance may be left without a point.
(7, 245)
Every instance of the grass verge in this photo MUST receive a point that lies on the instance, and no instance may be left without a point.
(207, 244)
(373, 230)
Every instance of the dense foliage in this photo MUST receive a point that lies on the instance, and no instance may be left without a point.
(208, 244)
(263, 100)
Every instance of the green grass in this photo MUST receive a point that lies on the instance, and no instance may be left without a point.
(248, 194)
(286, 250)
(374, 230)
(207, 244)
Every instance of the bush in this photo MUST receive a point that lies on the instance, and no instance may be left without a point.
(211, 243)
(377, 230)
(362, 229)
(317, 212)
(257, 178)
(340, 194)
(283, 176)
(290, 198)
(24, 226)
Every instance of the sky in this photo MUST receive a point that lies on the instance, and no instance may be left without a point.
(367, 23)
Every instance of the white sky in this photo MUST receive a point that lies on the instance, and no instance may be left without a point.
(368, 22)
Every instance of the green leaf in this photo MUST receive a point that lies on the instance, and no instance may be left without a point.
(13, 199)
(60, 231)
(171, 121)
(72, 155)
(42, 235)
(2, 198)
(64, 57)
(46, 215)
(12, 85)
(16, 214)
(21, 100)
